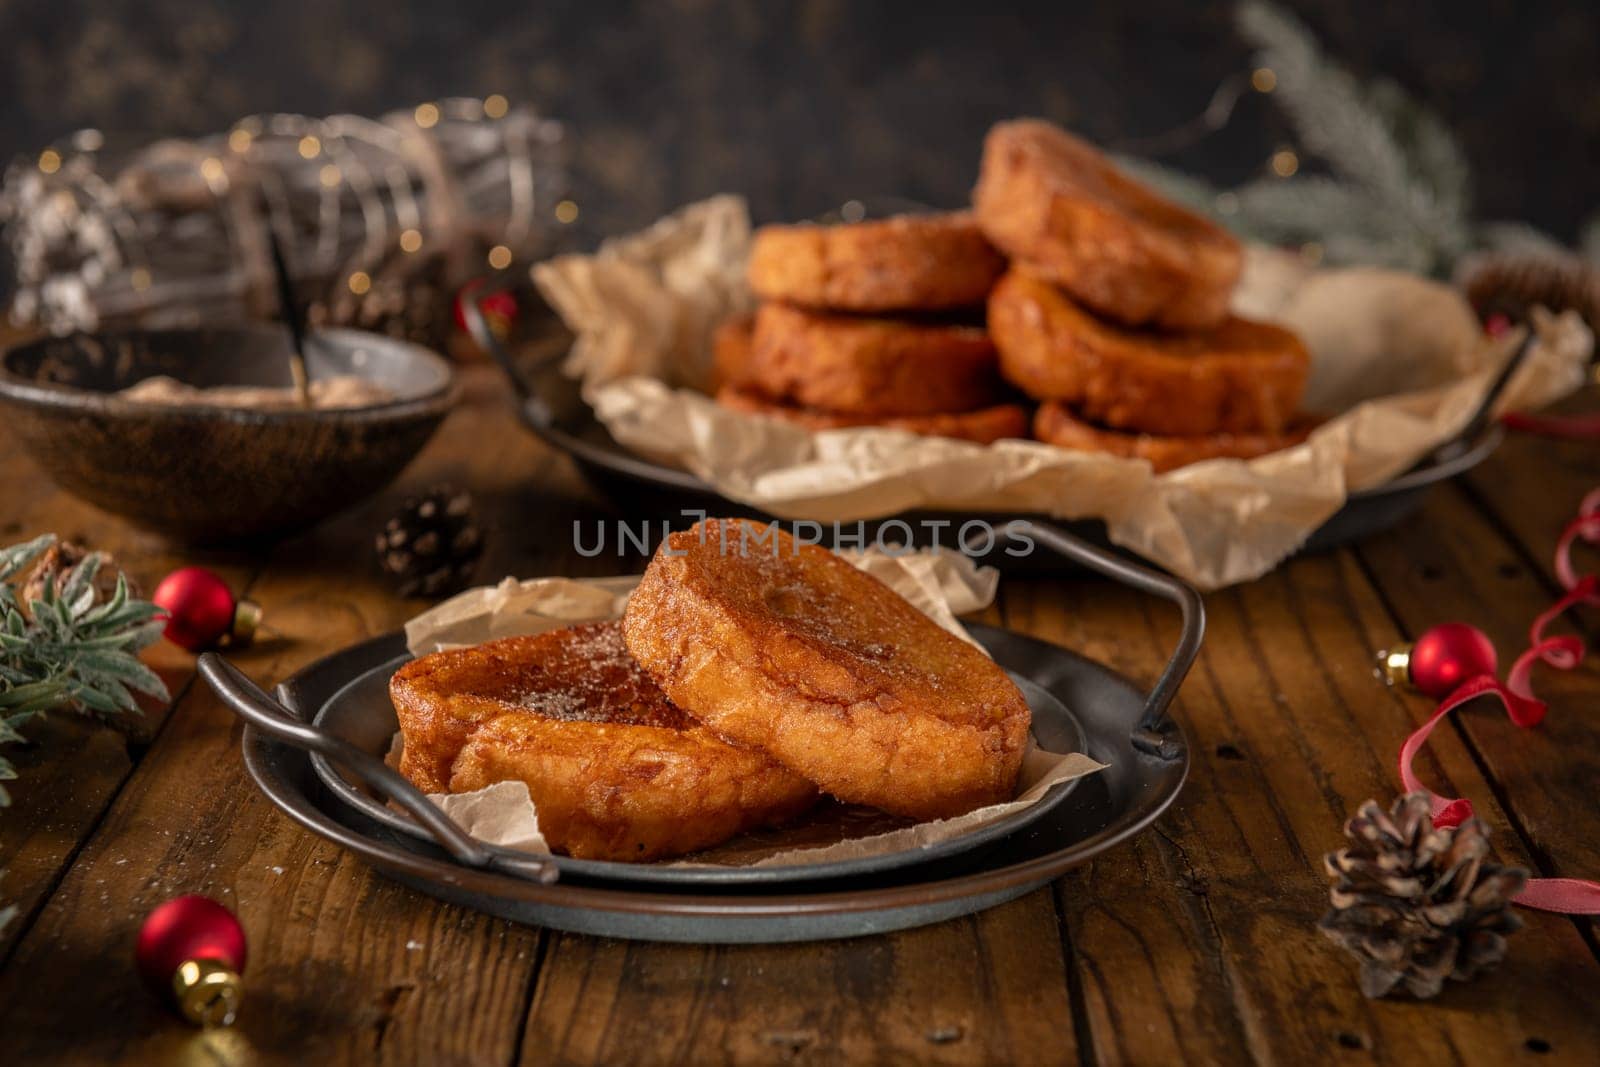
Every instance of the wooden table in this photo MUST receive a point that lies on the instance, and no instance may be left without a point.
(1196, 943)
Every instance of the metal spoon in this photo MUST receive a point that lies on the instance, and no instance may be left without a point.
(293, 317)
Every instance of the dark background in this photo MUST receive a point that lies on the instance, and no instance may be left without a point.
(801, 105)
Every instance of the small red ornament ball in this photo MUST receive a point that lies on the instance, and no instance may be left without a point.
(200, 607)
(499, 308)
(186, 929)
(1449, 654)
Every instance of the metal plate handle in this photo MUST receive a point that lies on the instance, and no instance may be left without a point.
(1148, 735)
(253, 705)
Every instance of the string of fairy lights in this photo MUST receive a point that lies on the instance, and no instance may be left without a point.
(1284, 161)
(172, 235)
(366, 209)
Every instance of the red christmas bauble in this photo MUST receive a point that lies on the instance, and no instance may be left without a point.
(499, 308)
(191, 952)
(202, 610)
(1449, 654)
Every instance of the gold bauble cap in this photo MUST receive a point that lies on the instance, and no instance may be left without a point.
(207, 992)
(246, 618)
(1395, 665)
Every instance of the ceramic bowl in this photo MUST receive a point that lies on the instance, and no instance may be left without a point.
(210, 474)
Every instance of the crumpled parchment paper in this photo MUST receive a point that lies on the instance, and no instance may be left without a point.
(941, 584)
(1398, 361)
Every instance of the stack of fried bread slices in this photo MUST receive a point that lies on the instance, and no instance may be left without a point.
(1114, 312)
(1104, 304)
(874, 323)
(750, 675)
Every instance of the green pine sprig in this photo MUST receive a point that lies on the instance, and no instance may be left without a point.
(1394, 187)
(69, 650)
(1396, 160)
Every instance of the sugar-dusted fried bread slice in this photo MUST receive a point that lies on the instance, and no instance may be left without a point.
(615, 770)
(985, 425)
(904, 263)
(789, 649)
(1057, 205)
(871, 366)
(1237, 377)
(1055, 424)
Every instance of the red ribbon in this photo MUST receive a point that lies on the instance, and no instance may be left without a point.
(1571, 427)
(1572, 896)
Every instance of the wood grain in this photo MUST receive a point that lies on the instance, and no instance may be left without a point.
(1212, 918)
(72, 766)
(1452, 565)
(1531, 487)
(1196, 943)
(345, 966)
(986, 989)
(991, 988)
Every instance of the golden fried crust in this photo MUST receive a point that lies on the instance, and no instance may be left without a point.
(1057, 205)
(730, 351)
(787, 648)
(906, 263)
(1238, 377)
(615, 770)
(1055, 424)
(984, 426)
(870, 366)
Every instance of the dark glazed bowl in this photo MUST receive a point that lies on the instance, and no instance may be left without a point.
(210, 474)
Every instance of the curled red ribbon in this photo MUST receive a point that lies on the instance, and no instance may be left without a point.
(1564, 652)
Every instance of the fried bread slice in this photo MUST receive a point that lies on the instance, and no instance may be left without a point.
(1055, 424)
(730, 351)
(985, 425)
(871, 366)
(787, 648)
(906, 263)
(1056, 204)
(614, 769)
(1238, 377)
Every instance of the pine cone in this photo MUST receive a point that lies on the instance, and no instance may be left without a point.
(431, 547)
(1512, 283)
(1417, 905)
(58, 563)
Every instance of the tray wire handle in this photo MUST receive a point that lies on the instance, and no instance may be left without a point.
(1483, 415)
(254, 706)
(1148, 735)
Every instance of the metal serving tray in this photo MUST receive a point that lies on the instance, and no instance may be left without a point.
(1112, 720)
(550, 406)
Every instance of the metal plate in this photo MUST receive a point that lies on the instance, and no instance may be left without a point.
(362, 714)
(1105, 810)
(552, 409)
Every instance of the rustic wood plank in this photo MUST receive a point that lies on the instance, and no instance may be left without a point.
(986, 989)
(990, 988)
(1144, 957)
(1532, 485)
(1195, 943)
(345, 966)
(73, 766)
(1452, 564)
(1290, 733)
